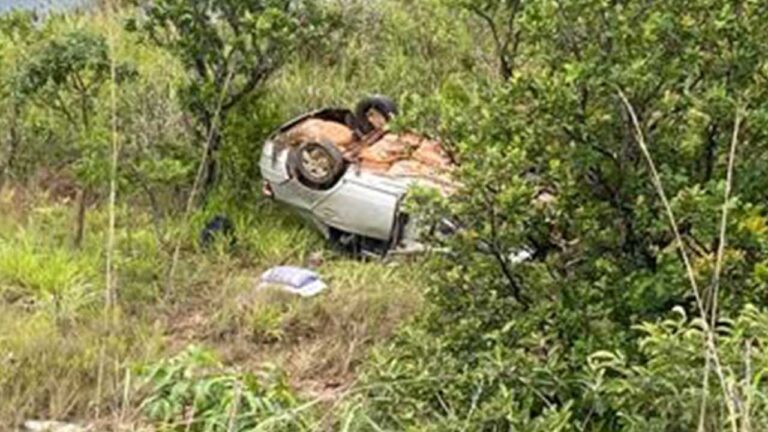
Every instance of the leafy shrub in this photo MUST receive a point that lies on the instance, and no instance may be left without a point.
(192, 392)
(551, 164)
(663, 390)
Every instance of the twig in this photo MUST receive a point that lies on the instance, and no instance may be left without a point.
(719, 261)
(472, 408)
(198, 180)
(232, 424)
(126, 395)
(109, 296)
(747, 423)
(709, 337)
(724, 218)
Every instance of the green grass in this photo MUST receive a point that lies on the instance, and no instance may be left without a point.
(62, 357)
(325, 337)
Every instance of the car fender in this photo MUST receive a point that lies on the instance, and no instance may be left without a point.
(361, 204)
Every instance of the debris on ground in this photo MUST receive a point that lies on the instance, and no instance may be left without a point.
(219, 225)
(296, 280)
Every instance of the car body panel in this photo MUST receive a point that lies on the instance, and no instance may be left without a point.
(359, 203)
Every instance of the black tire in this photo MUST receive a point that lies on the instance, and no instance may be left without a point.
(384, 105)
(317, 164)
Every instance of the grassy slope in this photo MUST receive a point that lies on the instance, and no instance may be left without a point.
(59, 358)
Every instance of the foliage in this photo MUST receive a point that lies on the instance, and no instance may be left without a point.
(68, 73)
(16, 32)
(190, 392)
(229, 49)
(663, 391)
(501, 20)
(51, 367)
(53, 279)
(597, 330)
(550, 164)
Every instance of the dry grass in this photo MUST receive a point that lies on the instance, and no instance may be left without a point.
(319, 341)
(51, 298)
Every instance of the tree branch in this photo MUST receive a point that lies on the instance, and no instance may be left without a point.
(501, 258)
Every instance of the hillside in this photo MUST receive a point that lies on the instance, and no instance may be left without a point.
(605, 269)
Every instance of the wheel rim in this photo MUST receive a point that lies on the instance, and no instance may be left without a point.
(317, 162)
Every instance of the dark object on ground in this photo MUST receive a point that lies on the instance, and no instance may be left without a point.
(217, 226)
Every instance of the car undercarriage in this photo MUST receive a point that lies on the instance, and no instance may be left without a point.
(348, 174)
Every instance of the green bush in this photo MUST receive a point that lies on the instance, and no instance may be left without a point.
(191, 392)
(551, 163)
(663, 390)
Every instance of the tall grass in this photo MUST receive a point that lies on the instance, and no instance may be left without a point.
(737, 418)
(79, 321)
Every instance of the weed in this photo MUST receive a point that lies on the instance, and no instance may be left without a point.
(193, 392)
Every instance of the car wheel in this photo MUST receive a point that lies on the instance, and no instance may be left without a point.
(317, 164)
(384, 106)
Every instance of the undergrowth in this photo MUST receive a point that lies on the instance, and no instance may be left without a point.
(555, 111)
(62, 357)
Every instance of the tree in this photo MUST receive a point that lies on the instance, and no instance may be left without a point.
(500, 18)
(16, 33)
(67, 74)
(229, 48)
(552, 164)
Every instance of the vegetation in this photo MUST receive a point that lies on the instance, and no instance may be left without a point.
(218, 401)
(620, 144)
(229, 49)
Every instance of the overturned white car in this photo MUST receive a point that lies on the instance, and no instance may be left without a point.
(348, 174)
